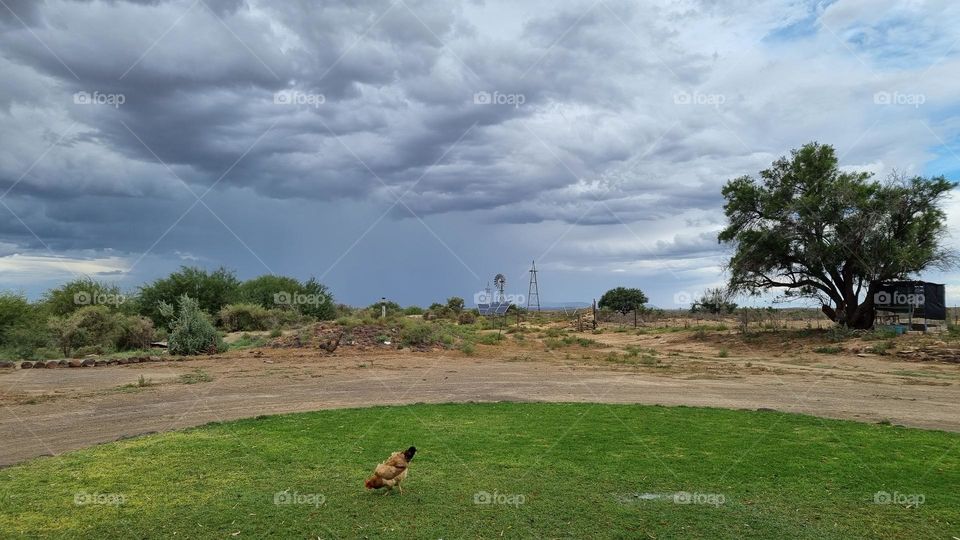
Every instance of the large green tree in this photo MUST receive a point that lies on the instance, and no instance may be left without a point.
(271, 291)
(814, 231)
(80, 292)
(211, 290)
(623, 300)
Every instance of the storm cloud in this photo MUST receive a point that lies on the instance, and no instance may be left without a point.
(358, 140)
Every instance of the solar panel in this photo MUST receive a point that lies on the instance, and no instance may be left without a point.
(499, 308)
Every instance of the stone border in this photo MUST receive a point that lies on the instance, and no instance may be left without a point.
(85, 362)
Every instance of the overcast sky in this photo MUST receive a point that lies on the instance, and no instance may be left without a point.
(413, 149)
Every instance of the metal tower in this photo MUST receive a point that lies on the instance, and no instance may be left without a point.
(533, 292)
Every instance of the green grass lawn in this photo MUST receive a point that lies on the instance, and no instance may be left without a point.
(500, 470)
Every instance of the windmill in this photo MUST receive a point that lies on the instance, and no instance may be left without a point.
(500, 281)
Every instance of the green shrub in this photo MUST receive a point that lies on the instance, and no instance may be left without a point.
(136, 332)
(245, 317)
(467, 348)
(467, 317)
(418, 335)
(489, 338)
(275, 333)
(210, 290)
(246, 341)
(413, 310)
(22, 327)
(287, 318)
(455, 304)
(880, 334)
(79, 293)
(191, 331)
(881, 348)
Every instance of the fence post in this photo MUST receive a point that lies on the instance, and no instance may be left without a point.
(594, 313)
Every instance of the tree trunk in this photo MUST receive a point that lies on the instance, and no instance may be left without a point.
(852, 314)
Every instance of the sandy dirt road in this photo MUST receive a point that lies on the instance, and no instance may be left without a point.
(51, 411)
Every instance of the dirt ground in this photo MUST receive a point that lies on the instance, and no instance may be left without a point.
(50, 411)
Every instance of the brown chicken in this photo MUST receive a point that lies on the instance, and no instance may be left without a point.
(392, 472)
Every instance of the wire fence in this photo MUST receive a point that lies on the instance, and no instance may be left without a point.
(743, 318)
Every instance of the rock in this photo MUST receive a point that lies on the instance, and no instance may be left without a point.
(88, 362)
(7, 365)
(51, 364)
(99, 363)
(26, 365)
(64, 363)
(75, 363)
(123, 361)
(155, 359)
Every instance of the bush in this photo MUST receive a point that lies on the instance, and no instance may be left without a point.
(79, 293)
(98, 329)
(418, 335)
(210, 290)
(191, 331)
(467, 317)
(309, 298)
(245, 317)
(22, 328)
(136, 333)
(413, 310)
(455, 304)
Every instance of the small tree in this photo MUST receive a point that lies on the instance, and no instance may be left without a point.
(623, 300)
(97, 326)
(455, 304)
(191, 331)
(716, 301)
